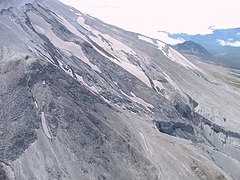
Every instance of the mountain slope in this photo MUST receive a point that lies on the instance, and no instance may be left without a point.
(82, 99)
(192, 48)
(223, 44)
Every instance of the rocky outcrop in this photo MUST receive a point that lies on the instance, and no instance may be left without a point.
(177, 129)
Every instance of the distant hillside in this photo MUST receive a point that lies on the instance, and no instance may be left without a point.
(193, 48)
(223, 44)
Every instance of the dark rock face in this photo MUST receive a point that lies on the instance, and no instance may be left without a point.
(16, 108)
(165, 127)
(182, 130)
(184, 110)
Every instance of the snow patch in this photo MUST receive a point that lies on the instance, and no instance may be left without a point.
(141, 101)
(45, 126)
(116, 49)
(71, 28)
(158, 85)
(36, 104)
(107, 101)
(174, 85)
(138, 100)
(39, 29)
(180, 59)
(162, 47)
(176, 56)
(78, 14)
(92, 88)
(145, 144)
(131, 68)
(81, 21)
(66, 69)
(113, 46)
(144, 38)
(136, 71)
(70, 47)
(80, 79)
(169, 79)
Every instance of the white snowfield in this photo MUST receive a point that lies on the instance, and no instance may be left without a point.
(176, 56)
(180, 59)
(172, 54)
(116, 49)
(70, 47)
(71, 28)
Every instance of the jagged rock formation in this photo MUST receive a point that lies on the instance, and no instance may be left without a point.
(81, 99)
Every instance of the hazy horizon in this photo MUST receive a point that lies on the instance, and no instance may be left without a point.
(149, 17)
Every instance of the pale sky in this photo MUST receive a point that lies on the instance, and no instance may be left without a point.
(150, 16)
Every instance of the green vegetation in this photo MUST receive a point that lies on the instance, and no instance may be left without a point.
(230, 80)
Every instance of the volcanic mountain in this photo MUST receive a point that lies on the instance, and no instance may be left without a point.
(82, 99)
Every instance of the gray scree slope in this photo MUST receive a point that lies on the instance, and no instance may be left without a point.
(81, 99)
